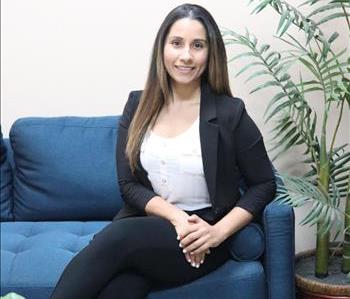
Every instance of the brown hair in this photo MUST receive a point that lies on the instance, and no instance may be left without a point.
(158, 89)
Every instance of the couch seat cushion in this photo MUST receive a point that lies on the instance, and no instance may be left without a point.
(34, 254)
(233, 280)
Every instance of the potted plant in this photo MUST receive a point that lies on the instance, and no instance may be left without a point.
(326, 186)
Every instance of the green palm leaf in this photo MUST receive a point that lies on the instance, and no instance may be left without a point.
(324, 8)
(334, 58)
(246, 54)
(248, 66)
(265, 85)
(279, 96)
(257, 74)
(298, 191)
(278, 109)
(310, 67)
(332, 17)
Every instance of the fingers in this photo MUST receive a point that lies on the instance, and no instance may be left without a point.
(190, 234)
(195, 260)
(194, 224)
(196, 230)
(200, 245)
(186, 231)
(194, 218)
(190, 238)
(201, 249)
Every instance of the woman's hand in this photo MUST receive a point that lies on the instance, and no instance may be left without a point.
(199, 236)
(181, 225)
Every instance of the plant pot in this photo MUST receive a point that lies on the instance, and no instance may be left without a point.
(310, 287)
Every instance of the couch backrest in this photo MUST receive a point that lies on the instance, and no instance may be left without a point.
(6, 181)
(65, 168)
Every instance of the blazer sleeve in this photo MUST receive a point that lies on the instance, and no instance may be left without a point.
(254, 164)
(132, 191)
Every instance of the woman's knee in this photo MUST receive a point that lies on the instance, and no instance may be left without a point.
(112, 237)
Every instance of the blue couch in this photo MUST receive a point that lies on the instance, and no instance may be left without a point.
(59, 187)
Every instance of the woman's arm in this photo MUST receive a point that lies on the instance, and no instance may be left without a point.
(254, 165)
(158, 206)
(201, 235)
(256, 168)
(133, 192)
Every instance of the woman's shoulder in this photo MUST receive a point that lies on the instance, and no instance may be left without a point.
(134, 96)
(133, 100)
(230, 105)
(231, 110)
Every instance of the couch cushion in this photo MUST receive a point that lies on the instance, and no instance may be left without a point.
(248, 243)
(6, 202)
(34, 254)
(233, 280)
(65, 168)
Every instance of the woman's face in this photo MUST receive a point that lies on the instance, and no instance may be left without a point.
(186, 52)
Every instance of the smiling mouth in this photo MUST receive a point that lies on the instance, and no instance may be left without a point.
(184, 69)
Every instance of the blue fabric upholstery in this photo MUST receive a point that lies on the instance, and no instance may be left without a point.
(234, 280)
(64, 168)
(278, 223)
(5, 182)
(247, 244)
(35, 253)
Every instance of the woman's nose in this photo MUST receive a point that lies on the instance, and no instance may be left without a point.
(186, 54)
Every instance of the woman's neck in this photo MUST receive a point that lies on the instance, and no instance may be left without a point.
(186, 93)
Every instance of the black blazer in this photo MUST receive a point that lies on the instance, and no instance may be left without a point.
(231, 145)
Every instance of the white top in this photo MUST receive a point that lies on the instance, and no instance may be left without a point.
(175, 168)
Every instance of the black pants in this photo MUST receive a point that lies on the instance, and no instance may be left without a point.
(128, 258)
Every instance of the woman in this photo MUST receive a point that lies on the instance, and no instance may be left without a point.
(182, 142)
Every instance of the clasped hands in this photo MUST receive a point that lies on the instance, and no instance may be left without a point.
(196, 237)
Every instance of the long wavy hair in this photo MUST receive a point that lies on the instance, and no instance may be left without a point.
(158, 89)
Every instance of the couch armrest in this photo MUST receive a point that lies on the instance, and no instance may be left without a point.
(278, 260)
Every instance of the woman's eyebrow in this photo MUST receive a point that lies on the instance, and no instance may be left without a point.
(196, 39)
(201, 40)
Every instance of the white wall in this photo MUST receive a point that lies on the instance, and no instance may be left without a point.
(82, 57)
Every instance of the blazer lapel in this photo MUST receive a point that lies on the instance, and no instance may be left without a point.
(209, 135)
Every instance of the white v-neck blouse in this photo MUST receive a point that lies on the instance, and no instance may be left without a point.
(175, 168)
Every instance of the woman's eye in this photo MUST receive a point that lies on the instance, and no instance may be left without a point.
(198, 45)
(175, 43)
